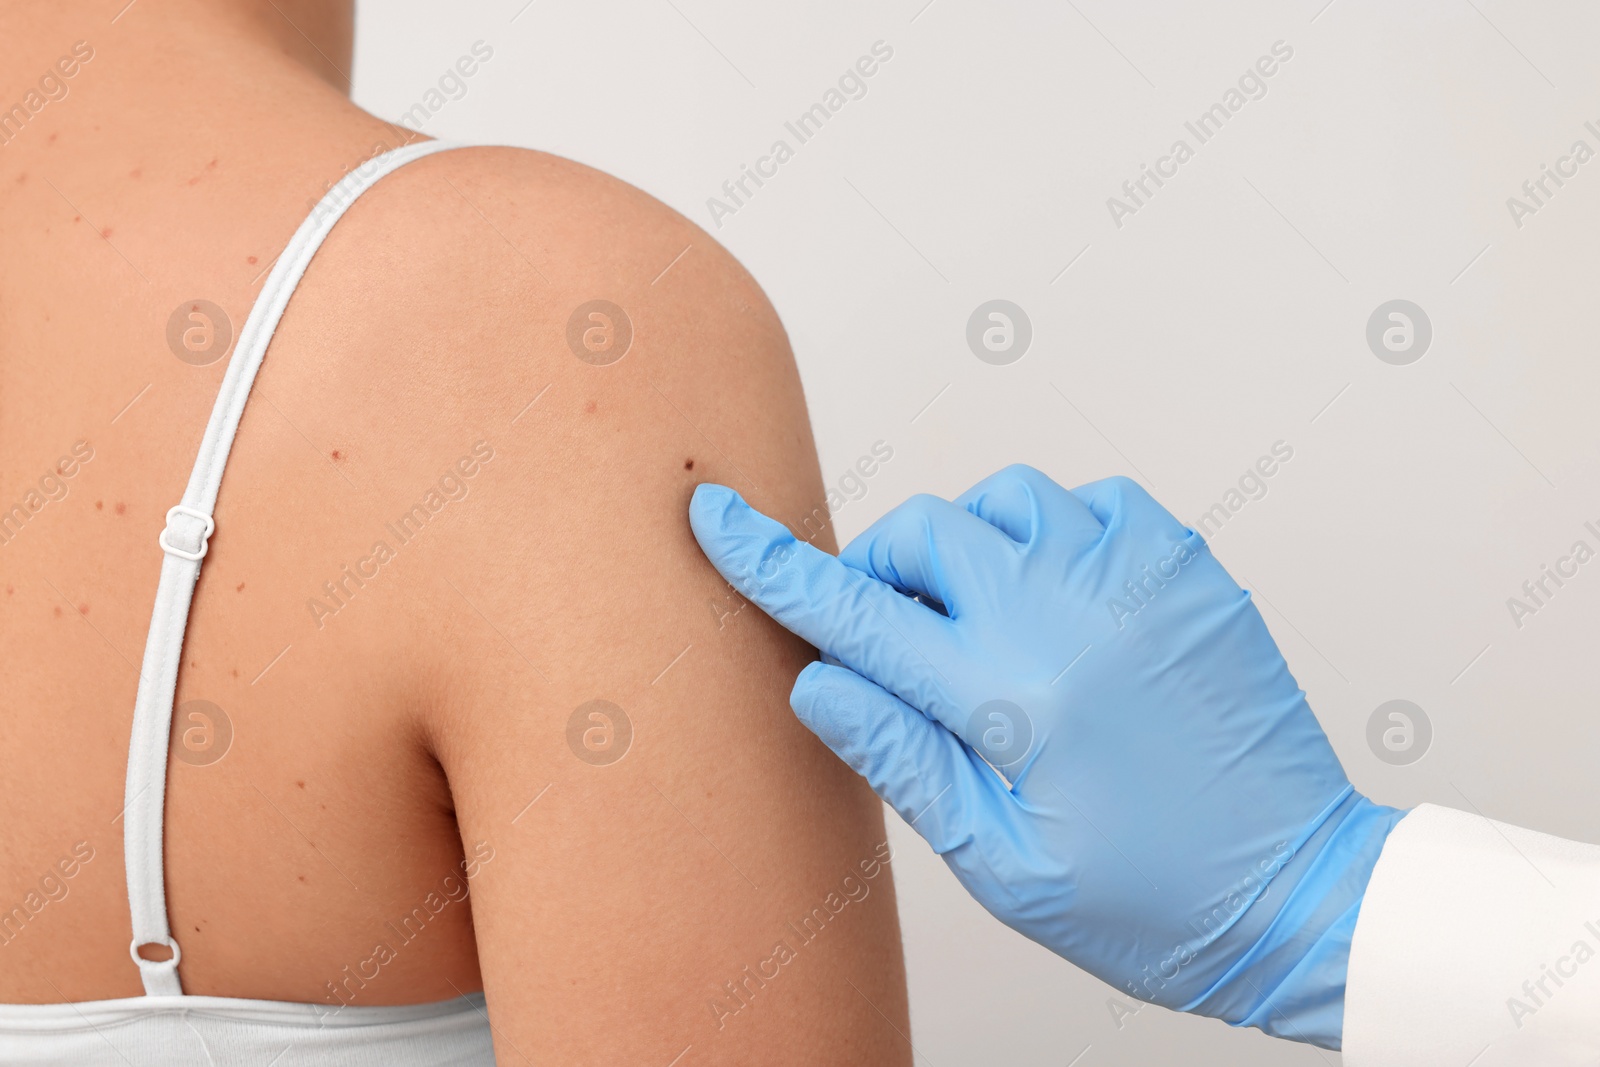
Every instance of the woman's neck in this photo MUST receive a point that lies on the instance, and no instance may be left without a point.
(316, 35)
(144, 75)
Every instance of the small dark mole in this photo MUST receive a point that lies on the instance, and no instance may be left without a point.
(301, 877)
(121, 508)
(193, 664)
(299, 783)
(58, 611)
(99, 505)
(239, 588)
(197, 929)
(83, 609)
(590, 407)
(688, 464)
(336, 454)
(234, 672)
(250, 260)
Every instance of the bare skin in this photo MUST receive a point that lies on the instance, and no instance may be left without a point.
(416, 720)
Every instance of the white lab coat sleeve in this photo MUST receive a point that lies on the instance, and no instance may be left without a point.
(1477, 943)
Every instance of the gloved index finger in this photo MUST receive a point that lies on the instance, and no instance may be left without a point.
(861, 622)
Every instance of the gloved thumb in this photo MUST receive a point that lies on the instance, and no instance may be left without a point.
(937, 784)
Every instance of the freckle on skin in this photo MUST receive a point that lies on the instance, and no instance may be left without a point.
(590, 407)
(239, 588)
(299, 783)
(99, 505)
(250, 260)
(137, 173)
(234, 672)
(688, 464)
(106, 232)
(58, 611)
(121, 508)
(336, 454)
(83, 609)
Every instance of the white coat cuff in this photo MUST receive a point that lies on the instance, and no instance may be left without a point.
(1477, 943)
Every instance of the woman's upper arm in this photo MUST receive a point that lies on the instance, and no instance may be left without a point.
(675, 862)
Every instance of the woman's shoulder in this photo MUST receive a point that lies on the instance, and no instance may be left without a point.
(480, 269)
(605, 351)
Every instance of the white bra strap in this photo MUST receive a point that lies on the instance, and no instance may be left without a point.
(184, 543)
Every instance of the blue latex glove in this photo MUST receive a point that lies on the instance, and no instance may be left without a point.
(1175, 822)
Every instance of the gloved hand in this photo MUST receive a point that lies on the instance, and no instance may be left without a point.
(1175, 821)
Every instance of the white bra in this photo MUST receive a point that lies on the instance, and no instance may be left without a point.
(165, 1028)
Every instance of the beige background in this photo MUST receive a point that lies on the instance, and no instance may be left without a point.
(1227, 314)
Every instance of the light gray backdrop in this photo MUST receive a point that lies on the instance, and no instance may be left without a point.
(1177, 342)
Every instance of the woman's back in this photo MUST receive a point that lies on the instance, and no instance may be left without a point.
(442, 533)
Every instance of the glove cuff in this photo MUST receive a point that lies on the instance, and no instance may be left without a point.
(1290, 983)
